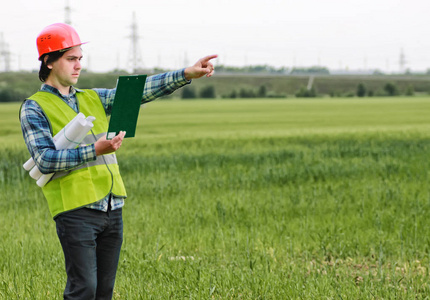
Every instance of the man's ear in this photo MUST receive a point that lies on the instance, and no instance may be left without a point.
(45, 59)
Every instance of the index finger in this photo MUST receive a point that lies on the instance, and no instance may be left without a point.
(119, 136)
(209, 57)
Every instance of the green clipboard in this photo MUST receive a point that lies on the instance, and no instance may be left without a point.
(125, 110)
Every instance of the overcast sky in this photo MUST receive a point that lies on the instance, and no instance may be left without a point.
(338, 34)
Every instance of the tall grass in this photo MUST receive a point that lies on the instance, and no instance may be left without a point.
(249, 200)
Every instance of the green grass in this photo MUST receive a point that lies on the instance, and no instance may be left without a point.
(261, 199)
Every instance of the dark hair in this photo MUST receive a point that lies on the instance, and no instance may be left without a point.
(52, 57)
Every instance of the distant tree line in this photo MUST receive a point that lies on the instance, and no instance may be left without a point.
(11, 95)
(313, 70)
(266, 69)
(209, 92)
(304, 92)
(258, 69)
(310, 71)
(390, 89)
(15, 87)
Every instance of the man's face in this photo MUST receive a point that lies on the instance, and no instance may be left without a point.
(66, 70)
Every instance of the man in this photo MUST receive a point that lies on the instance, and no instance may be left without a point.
(87, 194)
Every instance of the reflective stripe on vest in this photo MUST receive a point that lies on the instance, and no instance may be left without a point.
(91, 181)
(101, 160)
(107, 159)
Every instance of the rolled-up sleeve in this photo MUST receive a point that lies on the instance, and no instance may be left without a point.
(155, 86)
(163, 84)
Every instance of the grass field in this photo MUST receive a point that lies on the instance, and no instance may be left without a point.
(247, 199)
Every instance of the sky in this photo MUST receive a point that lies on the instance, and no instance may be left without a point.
(338, 34)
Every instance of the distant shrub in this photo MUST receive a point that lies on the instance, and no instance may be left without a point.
(361, 90)
(391, 89)
(208, 92)
(232, 95)
(245, 93)
(188, 92)
(262, 91)
(380, 93)
(335, 94)
(410, 91)
(275, 95)
(305, 93)
(9, 95)
(250, 93)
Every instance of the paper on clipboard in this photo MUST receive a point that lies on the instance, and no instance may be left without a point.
(125, 110)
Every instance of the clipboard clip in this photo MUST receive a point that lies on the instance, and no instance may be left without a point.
(112, 134)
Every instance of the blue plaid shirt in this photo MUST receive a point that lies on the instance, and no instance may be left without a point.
(38, 138)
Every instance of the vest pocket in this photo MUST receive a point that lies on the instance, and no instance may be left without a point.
(77, 190)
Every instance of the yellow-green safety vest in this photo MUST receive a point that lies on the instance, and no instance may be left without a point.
(89, 182)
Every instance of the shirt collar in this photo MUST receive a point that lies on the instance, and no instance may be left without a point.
(47, 88)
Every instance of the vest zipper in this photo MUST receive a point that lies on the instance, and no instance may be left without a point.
(111, 175)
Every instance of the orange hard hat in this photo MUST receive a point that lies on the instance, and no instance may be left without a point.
(58, 36)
